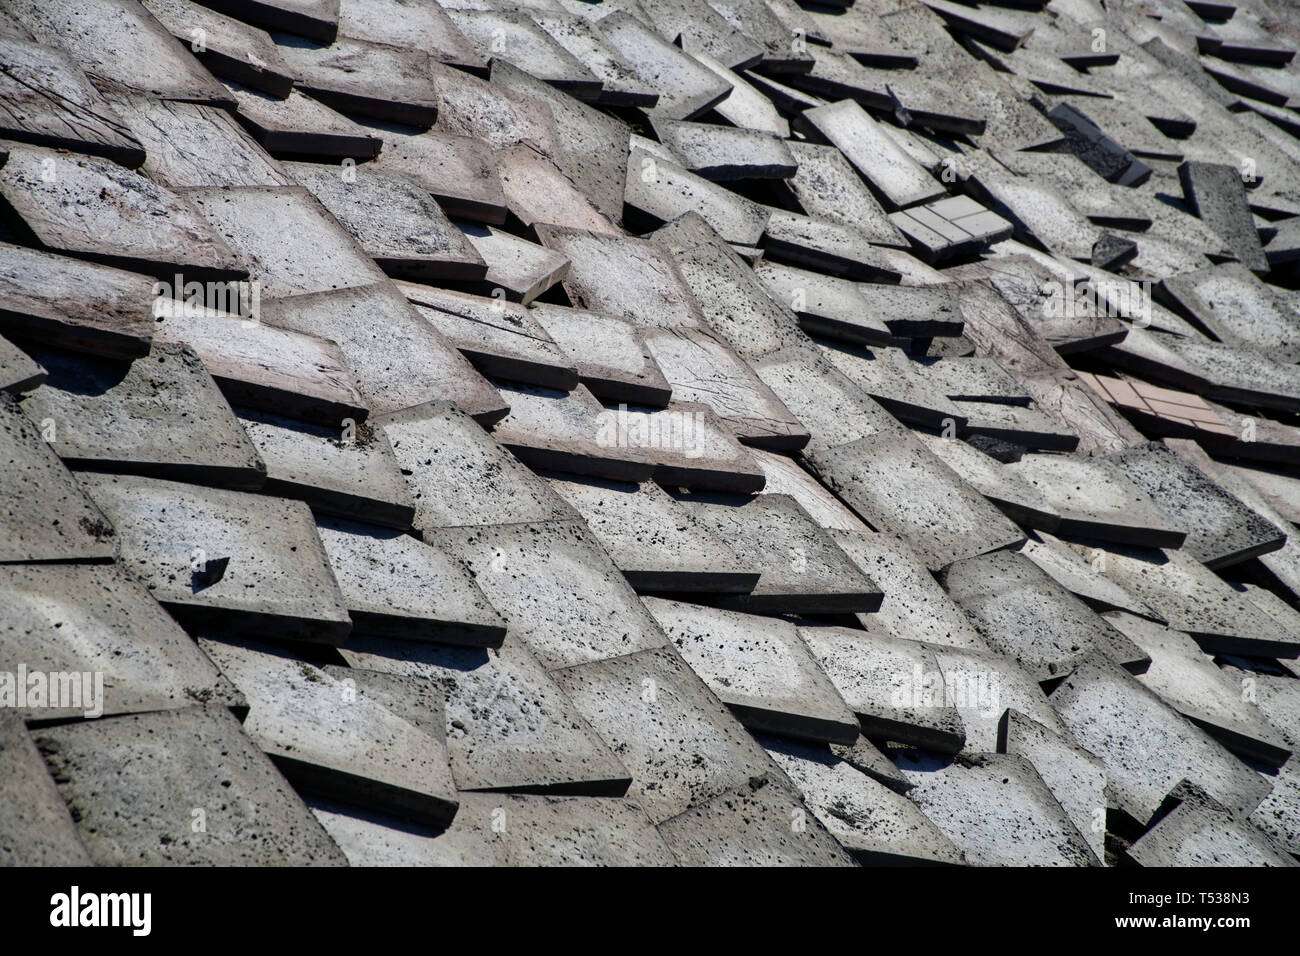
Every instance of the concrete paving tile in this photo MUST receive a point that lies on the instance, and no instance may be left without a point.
(538, 191)
(760, 669)
(50, 102)
(134, 783)
(191, 145)
(1237, 308)
(317, 19)
(609, 353)
(556, 588)
(139, 417)
(1146, 746)
(785, 476)
(723, 153)
(828, 187)
(888, 376)
(400, 362)
(826, 246)
(19, 372)
(1028, 427)
(1195, 835)
(1187, 680)
(746, 107)
(660, 191)
(620, 86)
(572, 831)
(1216, 193)
(1082, 578)
(894, 175)
(301, 126)
(88, 619)
(514, 37)
(1020, 611)
(1194, 599)
(265, 367)
(701, 28)
(767, 826)
(373, 80)
(686, 88)
(1095, 498)
(1004, 29)
(760, 23)
(394, 220)
(36, 828)
(460, 476)
(997, 810)
(371, 839)
(500, 338)
(255, 220)
(174, 538)
(825, 305)
(1281, 490)
(875, 825)
(680, 744)
(912, 311)
(121, 44)
(658, 544)
(894, 686)
(417, 24)
(630, 278)
(230, 48)
(1014, 497)
(522, 270)
(458, 171)
(397, 586)
(865, 757)
(702, 369)
(113, 205)
(1095, 148)
(329, 739)
(1221, 529)
(1277, 814)
(47, 515)
(507, 725)
(803, 570)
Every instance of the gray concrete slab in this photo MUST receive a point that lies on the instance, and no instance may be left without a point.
(824, 245)
(460, 476)
(659, 190)
(557, 590)
(997, 810)
(19, 372)
(522, 270)
(400, 362)
(875, 825)
(330, 739)
(302, 126)
(36, 829)
(680, 744)
(785, 476)
(50, 102)
(1216, 194)
(746, 106)
(1014, 497)
(1221, 529)
(889, 376)
(1083, 578)
(81, 619)
(686, 88)
(500, 338)
(827, 186)
(124, 219)
(317, 19)
(895, 176)
(1277, 814)
(1237, 308)
(515, 38)
(121, 44)
(723, 153)
(1019, 610)
(1146, 746)
(381, 82)
(767, 826)
(230, 48)
(47, 515)
(703, 369)
(1085, 138)
(760, 669)
(729, 296)
(1029, 427)
(134, 785)
(609, 353)
(265, 367)
(174, 538)
(537, 190)
(1187, 680)
(507, 725)
(894, 686)
(1095, 499)
(419, 25)
(1194, 599)
(255, 220)
(802, 569)
(828, 306)
(397, 586)
(395, 221)
(458, 171)
(1038, 211)
(912, 311)
(657, 543)
(1195, 835)
(619, 85)
(972, 379)
(701, 29)
(1234, 374)
(141, 417)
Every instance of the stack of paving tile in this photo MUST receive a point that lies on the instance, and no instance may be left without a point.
(521, 434)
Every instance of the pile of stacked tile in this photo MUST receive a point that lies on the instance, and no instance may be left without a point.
(649, 432)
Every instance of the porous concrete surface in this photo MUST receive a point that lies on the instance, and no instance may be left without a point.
(731, 432)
